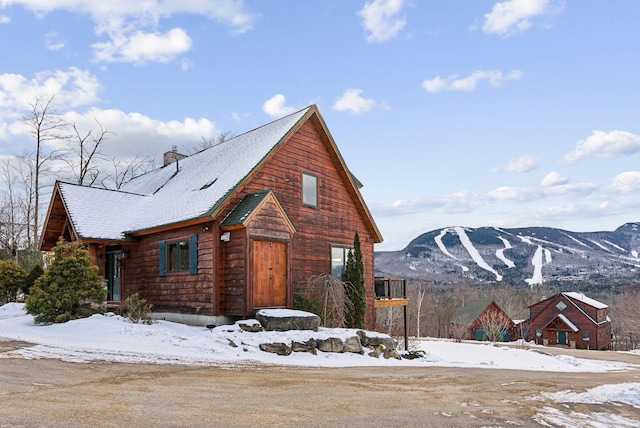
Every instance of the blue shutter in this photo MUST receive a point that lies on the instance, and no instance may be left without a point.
(193, 254)
(163, 270)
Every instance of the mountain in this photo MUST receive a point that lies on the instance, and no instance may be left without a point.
(520, 256)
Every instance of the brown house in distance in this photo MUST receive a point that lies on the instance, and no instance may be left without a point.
(472, 315)
(570, 319)
(215, 236)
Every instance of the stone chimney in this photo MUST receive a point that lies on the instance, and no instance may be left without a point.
(172, 156)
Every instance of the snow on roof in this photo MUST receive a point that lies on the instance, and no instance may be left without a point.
(569, 324)
(87, 207)
(584, 299)
(191, 188)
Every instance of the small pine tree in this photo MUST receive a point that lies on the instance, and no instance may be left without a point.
(35, 273)
(70, 288)
(355, 292)
(12, 277)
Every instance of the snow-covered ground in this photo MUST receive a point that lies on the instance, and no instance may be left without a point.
(113, 338)
(116, 339)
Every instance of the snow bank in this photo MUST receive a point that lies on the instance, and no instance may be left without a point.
(113, 338)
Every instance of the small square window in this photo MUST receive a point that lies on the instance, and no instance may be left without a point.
(309, 190)
(178, 256)
(561, 306)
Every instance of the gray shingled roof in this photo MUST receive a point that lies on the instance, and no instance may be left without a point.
(192, 188)
(471, 311)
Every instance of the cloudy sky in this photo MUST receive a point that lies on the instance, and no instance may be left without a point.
(475, 112)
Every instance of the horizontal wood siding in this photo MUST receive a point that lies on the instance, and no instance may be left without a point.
(546, 311)
(174, 292)
(233, 274)
(335, 220)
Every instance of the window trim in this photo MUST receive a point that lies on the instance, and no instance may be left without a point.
(191, 257)
(317, 188)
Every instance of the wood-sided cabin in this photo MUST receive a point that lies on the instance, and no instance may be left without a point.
(570, 319)
(219, 234)
(477, 314)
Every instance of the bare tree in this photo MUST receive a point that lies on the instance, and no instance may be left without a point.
(420, 293)
(125, 171)
(13, 222)
(46, 126)
(460, 328)
(625, 324)
(494, 323)
(85, 151)
(214, 140)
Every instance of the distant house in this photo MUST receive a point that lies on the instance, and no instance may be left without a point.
(219, 234)
(478, 315)
(570, 319)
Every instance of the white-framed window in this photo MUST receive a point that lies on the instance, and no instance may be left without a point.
(309, 190)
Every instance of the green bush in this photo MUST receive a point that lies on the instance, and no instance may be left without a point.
(12, 277)
(136, 309)
(70, 288)
(35, 273)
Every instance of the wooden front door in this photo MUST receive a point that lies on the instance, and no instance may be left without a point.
(269, 274)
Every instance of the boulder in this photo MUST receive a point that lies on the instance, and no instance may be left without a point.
(308, 346)
(276, 348)
(372, 339)
(251, 328)
(287, 319)
(352, 344)
(332, 344)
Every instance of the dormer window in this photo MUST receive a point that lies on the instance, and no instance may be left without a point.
(309, 190)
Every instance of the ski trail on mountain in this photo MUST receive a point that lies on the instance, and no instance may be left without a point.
(500, 252)
(474, 253)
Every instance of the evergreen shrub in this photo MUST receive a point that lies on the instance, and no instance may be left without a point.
(69, 289)
(12, 277)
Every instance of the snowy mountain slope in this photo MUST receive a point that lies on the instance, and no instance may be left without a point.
(518, 256)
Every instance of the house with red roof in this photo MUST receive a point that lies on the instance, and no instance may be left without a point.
(570, 319)
(217, 235)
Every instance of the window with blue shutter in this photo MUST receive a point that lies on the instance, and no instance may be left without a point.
(179, 256)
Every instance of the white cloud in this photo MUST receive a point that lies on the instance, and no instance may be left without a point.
(4, 19)
(522, 164)
(626, 182)
(275, 106)
(554, 179)
(352, 101)
(72, 88)
(515, 16)
(381, 21)
(129, 24)
(140, 47)
(53, 42)
(508, 193)
(455, 83)
(606, 145)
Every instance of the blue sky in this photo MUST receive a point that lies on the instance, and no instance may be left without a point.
(474, 113)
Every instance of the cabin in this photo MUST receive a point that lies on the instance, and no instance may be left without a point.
(473, 320)
(213, 237)
(570, 319)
